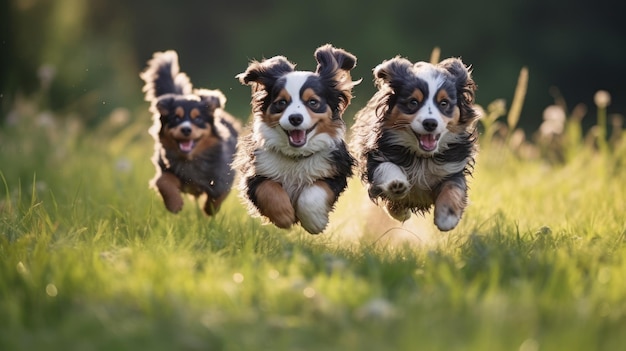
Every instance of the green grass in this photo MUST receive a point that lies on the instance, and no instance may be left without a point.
(91, 260)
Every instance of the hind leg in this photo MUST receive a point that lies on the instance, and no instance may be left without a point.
(398, 212)
(169, 187)
(273, 202)
(212, 205)
(450, 203)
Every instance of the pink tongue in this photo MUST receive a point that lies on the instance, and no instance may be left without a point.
(428, 142)
(297, 137)
(185, 146)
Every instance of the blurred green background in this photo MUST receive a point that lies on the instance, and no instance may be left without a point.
(83, 57)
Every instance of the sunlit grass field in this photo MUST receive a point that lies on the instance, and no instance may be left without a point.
(91, 260)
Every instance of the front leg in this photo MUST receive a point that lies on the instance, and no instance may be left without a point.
(450, 203)
(313, 206)
(272, 201)
(389, 181)
(169, 187)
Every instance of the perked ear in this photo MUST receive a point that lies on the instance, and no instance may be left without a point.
(465, 87)
(390, 72)
(266, 72)
(214, 99)
(330, 59)
(333, 67)
(464, 83)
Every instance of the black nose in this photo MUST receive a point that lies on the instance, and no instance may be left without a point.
(430, 124)
(185, 130)
(296, 119)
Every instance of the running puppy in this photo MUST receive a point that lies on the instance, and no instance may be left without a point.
(294, 162)
(415, 140)
(195, 139)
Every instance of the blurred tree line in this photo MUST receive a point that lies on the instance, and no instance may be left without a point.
(83, 57)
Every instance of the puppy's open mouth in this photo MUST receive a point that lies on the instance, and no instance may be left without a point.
(428, 142)
(298, 137)
(186, 145)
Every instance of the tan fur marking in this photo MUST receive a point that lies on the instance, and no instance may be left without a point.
(454, 123)
(194, 113)
(325, 123)
(273, 203)
(179, 112)
(442, 94)
(206, 141)
(309, 94)
(418, 95)
(282, 95)
(397, 119)
(169, 186)
(272, 119)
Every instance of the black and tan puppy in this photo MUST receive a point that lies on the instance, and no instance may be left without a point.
(415, 140)
(195, 139)
(294, 162)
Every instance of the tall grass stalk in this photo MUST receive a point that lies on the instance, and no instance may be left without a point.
(518, 101)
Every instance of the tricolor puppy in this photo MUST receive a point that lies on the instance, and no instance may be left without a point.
(195, 139)
(415, 140)
(294, 162)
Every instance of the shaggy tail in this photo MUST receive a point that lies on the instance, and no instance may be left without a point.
(163, 76)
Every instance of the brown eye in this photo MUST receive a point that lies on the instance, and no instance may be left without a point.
(313, 103)
(444, 103)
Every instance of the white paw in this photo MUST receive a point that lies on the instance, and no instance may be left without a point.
(312, 209)
(445, 218)
(396, 189)
(391, 180)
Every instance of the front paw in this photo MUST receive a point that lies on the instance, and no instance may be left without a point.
(389, 181)
(397, 189)
(394, 190)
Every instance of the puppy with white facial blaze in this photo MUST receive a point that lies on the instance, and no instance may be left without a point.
(195, 139)
(294, 161)
(415, 141)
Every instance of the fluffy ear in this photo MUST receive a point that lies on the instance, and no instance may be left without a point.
(464, 82)
(465, 86)
(333, 67)
(163, 76)
(213, 98)
(266, 72)
(164, 105)
(391, 72)
(330, 59)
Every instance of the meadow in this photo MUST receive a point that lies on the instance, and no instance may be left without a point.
(91, 260)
